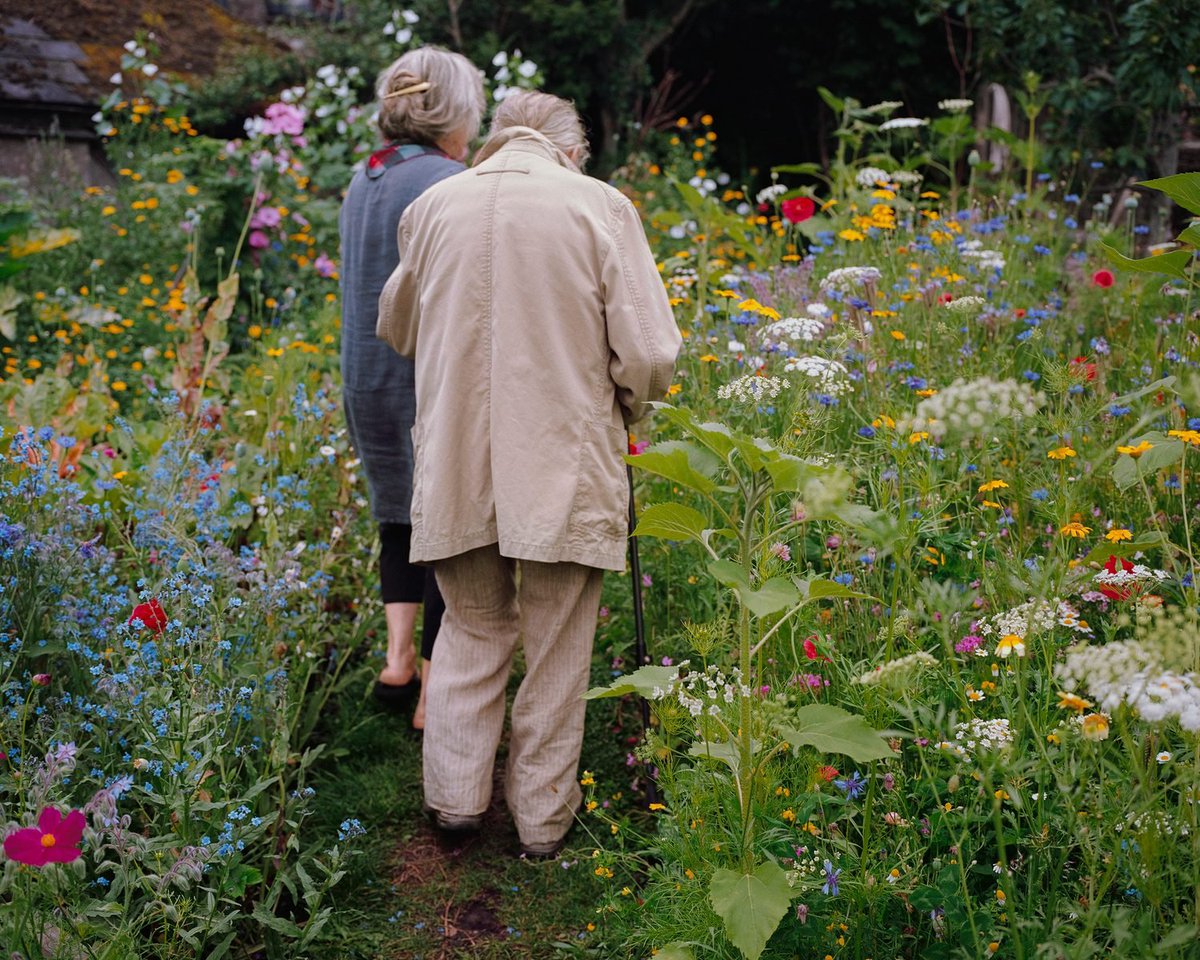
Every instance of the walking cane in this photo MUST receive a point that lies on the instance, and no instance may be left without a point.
(639, 626)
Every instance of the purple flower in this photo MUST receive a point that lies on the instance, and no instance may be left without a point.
(830, 887)
(852, 786)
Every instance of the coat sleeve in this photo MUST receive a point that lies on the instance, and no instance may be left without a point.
(399, 303)
(643, 337)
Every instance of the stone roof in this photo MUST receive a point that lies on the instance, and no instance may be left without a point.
(37, 69)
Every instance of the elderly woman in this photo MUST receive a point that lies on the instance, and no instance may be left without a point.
(540, 326)
(430, 105)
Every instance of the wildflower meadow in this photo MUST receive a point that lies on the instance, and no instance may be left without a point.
(916, 529)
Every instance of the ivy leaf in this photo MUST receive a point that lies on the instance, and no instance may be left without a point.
(751, 905)
(831, 729)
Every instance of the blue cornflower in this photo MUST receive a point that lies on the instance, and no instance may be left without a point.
(1041, 493)
(830, 887)
(853, 785)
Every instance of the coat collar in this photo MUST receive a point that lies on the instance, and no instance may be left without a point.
(524, 140)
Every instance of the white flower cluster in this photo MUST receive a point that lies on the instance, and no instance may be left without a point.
(1152, 822)
(818, 310)
(1033, 617)
(399, 27)
(872, 177)
(703, 692)
(898, 672)
(966, 306)
(969, 407)
(683, 279)
(770, 194)
(907, 177)
(752, 389)
(1133, 672)
(978, 734)
(827, 376)
(956, 105)
(903, 123)
(795, 328)
(1123, 578)
(849, 279)
(985, 258)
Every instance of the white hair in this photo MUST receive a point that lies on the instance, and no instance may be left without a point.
(448, 99)
(553, 117)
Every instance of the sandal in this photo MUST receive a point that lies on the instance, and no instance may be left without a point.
(397, 696)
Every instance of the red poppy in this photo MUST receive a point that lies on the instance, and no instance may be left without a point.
(54, 840)
(945, 298)
(151, 615)
(1088, 368)
(636, 449)
(798, 209)
(812, 652)
(1116, 593)
(827, 773)
(1103, 278)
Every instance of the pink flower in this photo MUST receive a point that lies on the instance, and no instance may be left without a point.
(283, 118)
(259, 240)
(54, 840)
(324, 266)
(267, 217)
(41, 679)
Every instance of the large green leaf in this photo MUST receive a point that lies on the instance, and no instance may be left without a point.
(771, 597)
(724, 750)
(702, 459)
(1165, 452)
(1190, 234)
(791, 474)
(1183, 188)
(1166, 383)
(729, 573)
(643, 681)
(810, 169)
(831, 729)
(672, 521)
(674, 951)
(1127, 548)
(1171, 264)
(672, 464)
(751, 905)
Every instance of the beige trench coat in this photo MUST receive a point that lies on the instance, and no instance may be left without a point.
(529, 297)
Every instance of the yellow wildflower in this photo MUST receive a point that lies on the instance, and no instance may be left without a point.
(1060, 453)
(1117, 534)
(1075, 529)
(1137, 451)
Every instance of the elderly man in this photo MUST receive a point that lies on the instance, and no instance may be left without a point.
(540, 327)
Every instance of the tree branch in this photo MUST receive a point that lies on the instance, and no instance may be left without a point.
(655, 40)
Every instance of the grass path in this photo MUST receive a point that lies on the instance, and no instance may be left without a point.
(413, 896)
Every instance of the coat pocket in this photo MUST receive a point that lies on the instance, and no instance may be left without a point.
(602, 497)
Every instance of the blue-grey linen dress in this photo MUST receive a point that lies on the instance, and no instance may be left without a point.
(377, 382)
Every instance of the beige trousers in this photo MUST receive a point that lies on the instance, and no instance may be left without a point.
(553, 610)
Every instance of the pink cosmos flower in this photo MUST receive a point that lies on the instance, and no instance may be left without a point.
(54, 840)
(259, 240)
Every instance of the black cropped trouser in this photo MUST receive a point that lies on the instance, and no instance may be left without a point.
(403, 581)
